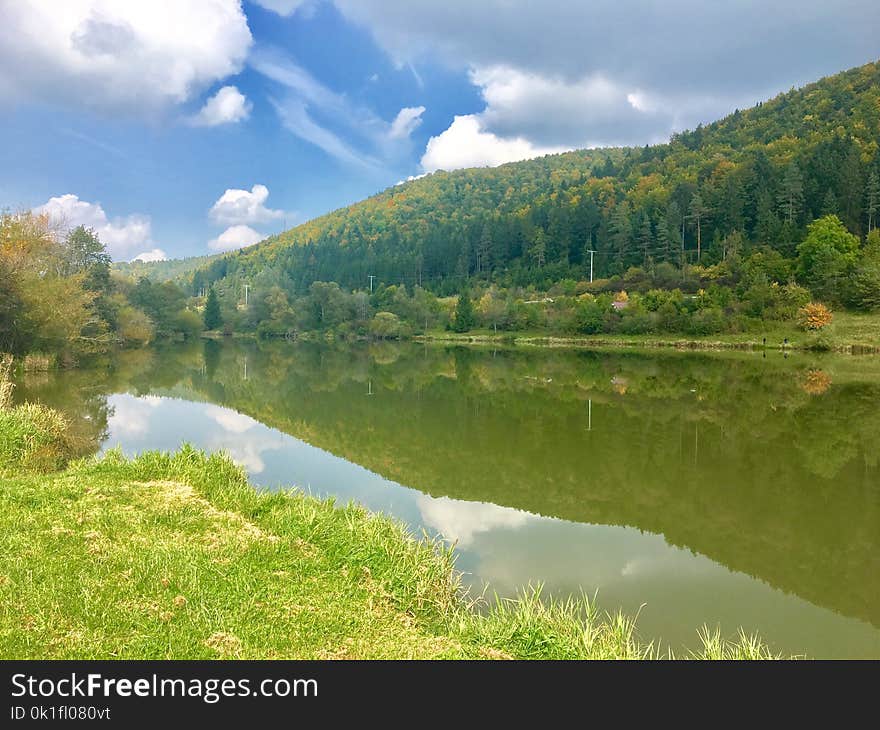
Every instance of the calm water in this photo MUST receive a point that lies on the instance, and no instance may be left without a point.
(732, 490)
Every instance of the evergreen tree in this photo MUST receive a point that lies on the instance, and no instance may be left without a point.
(829, 204)
(621, 234)
(696, 212)
(872, 199)
(465, 318)
(791, 195)
(213, 318)
(646, 239)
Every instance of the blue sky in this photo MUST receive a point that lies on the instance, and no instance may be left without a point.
(185, 127)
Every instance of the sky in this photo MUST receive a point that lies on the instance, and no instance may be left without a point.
(186, 127)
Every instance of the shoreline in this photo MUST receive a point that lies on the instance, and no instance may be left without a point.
(606, 343)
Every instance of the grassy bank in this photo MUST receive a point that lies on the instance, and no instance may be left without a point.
(848, 333)
(177, 556)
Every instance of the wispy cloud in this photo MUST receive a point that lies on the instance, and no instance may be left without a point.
(351, 133)
(295, 117)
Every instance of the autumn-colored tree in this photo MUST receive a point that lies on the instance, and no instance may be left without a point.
(814, 316)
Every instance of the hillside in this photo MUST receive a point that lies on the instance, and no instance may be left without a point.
(763, 173)
(159, 271)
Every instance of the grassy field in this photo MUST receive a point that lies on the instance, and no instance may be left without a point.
(177, 556)
(847, 333)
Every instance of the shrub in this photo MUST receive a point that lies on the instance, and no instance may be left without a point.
(34, 438)
(814, 316)
(706, 322)
(385, 325)
(6, 385)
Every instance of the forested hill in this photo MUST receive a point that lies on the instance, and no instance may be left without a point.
(162, 270)
(755, 178)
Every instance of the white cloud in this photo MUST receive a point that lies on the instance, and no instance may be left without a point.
(528, 115)
(598, 72)
(121, 236)
(467, 144)
(407, 121)
(227, 106)
(117, 55)
(235, 237)
(584, 112)
(230, 421)
(156, 254)
(459, 521)
(242, 207)
(353, 134)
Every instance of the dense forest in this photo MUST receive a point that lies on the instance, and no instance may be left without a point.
(740, 190)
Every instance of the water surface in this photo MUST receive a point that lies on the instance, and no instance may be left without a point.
(722, 489)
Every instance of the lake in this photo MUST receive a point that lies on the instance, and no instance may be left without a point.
(726, 489)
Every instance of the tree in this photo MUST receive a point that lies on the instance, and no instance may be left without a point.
(646, 239)
(791, 194)
(829, 203)
(865, 282)
(213, 318)
(872, 199)
(826, 256)
(465, 319)
(621, 233)
(696, 211)
(538, 250)
(385, 325)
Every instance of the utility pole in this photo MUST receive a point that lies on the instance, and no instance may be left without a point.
(591, 252)
(371, 277)
(246, 287)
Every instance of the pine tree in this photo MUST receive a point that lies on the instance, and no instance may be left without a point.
(664, 245)
(646, 239)
(829, 204)
(538, 250)
(872, 199)
(213, 318)
(621, 233)
(675, 227)
(465, 319)
(791, 196)
(696, 211)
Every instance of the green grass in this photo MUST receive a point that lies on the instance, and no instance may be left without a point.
(848, 332)
(177, 556)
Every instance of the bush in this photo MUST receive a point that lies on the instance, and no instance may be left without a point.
(385, 325)
(33, 438)
(707, 322)
(814, 316)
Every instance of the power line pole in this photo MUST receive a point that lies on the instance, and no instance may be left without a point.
(246, 288)
(591, 252)
(371, 277)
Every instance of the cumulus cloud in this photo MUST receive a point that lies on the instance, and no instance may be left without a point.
(227, 106)
(156, 254)
(115, 55)
(561, 73)
(406, 122)
(467, 144)
(243, 207)
(460, 522)
(230, 421)
(235, 237)
(121, 235)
